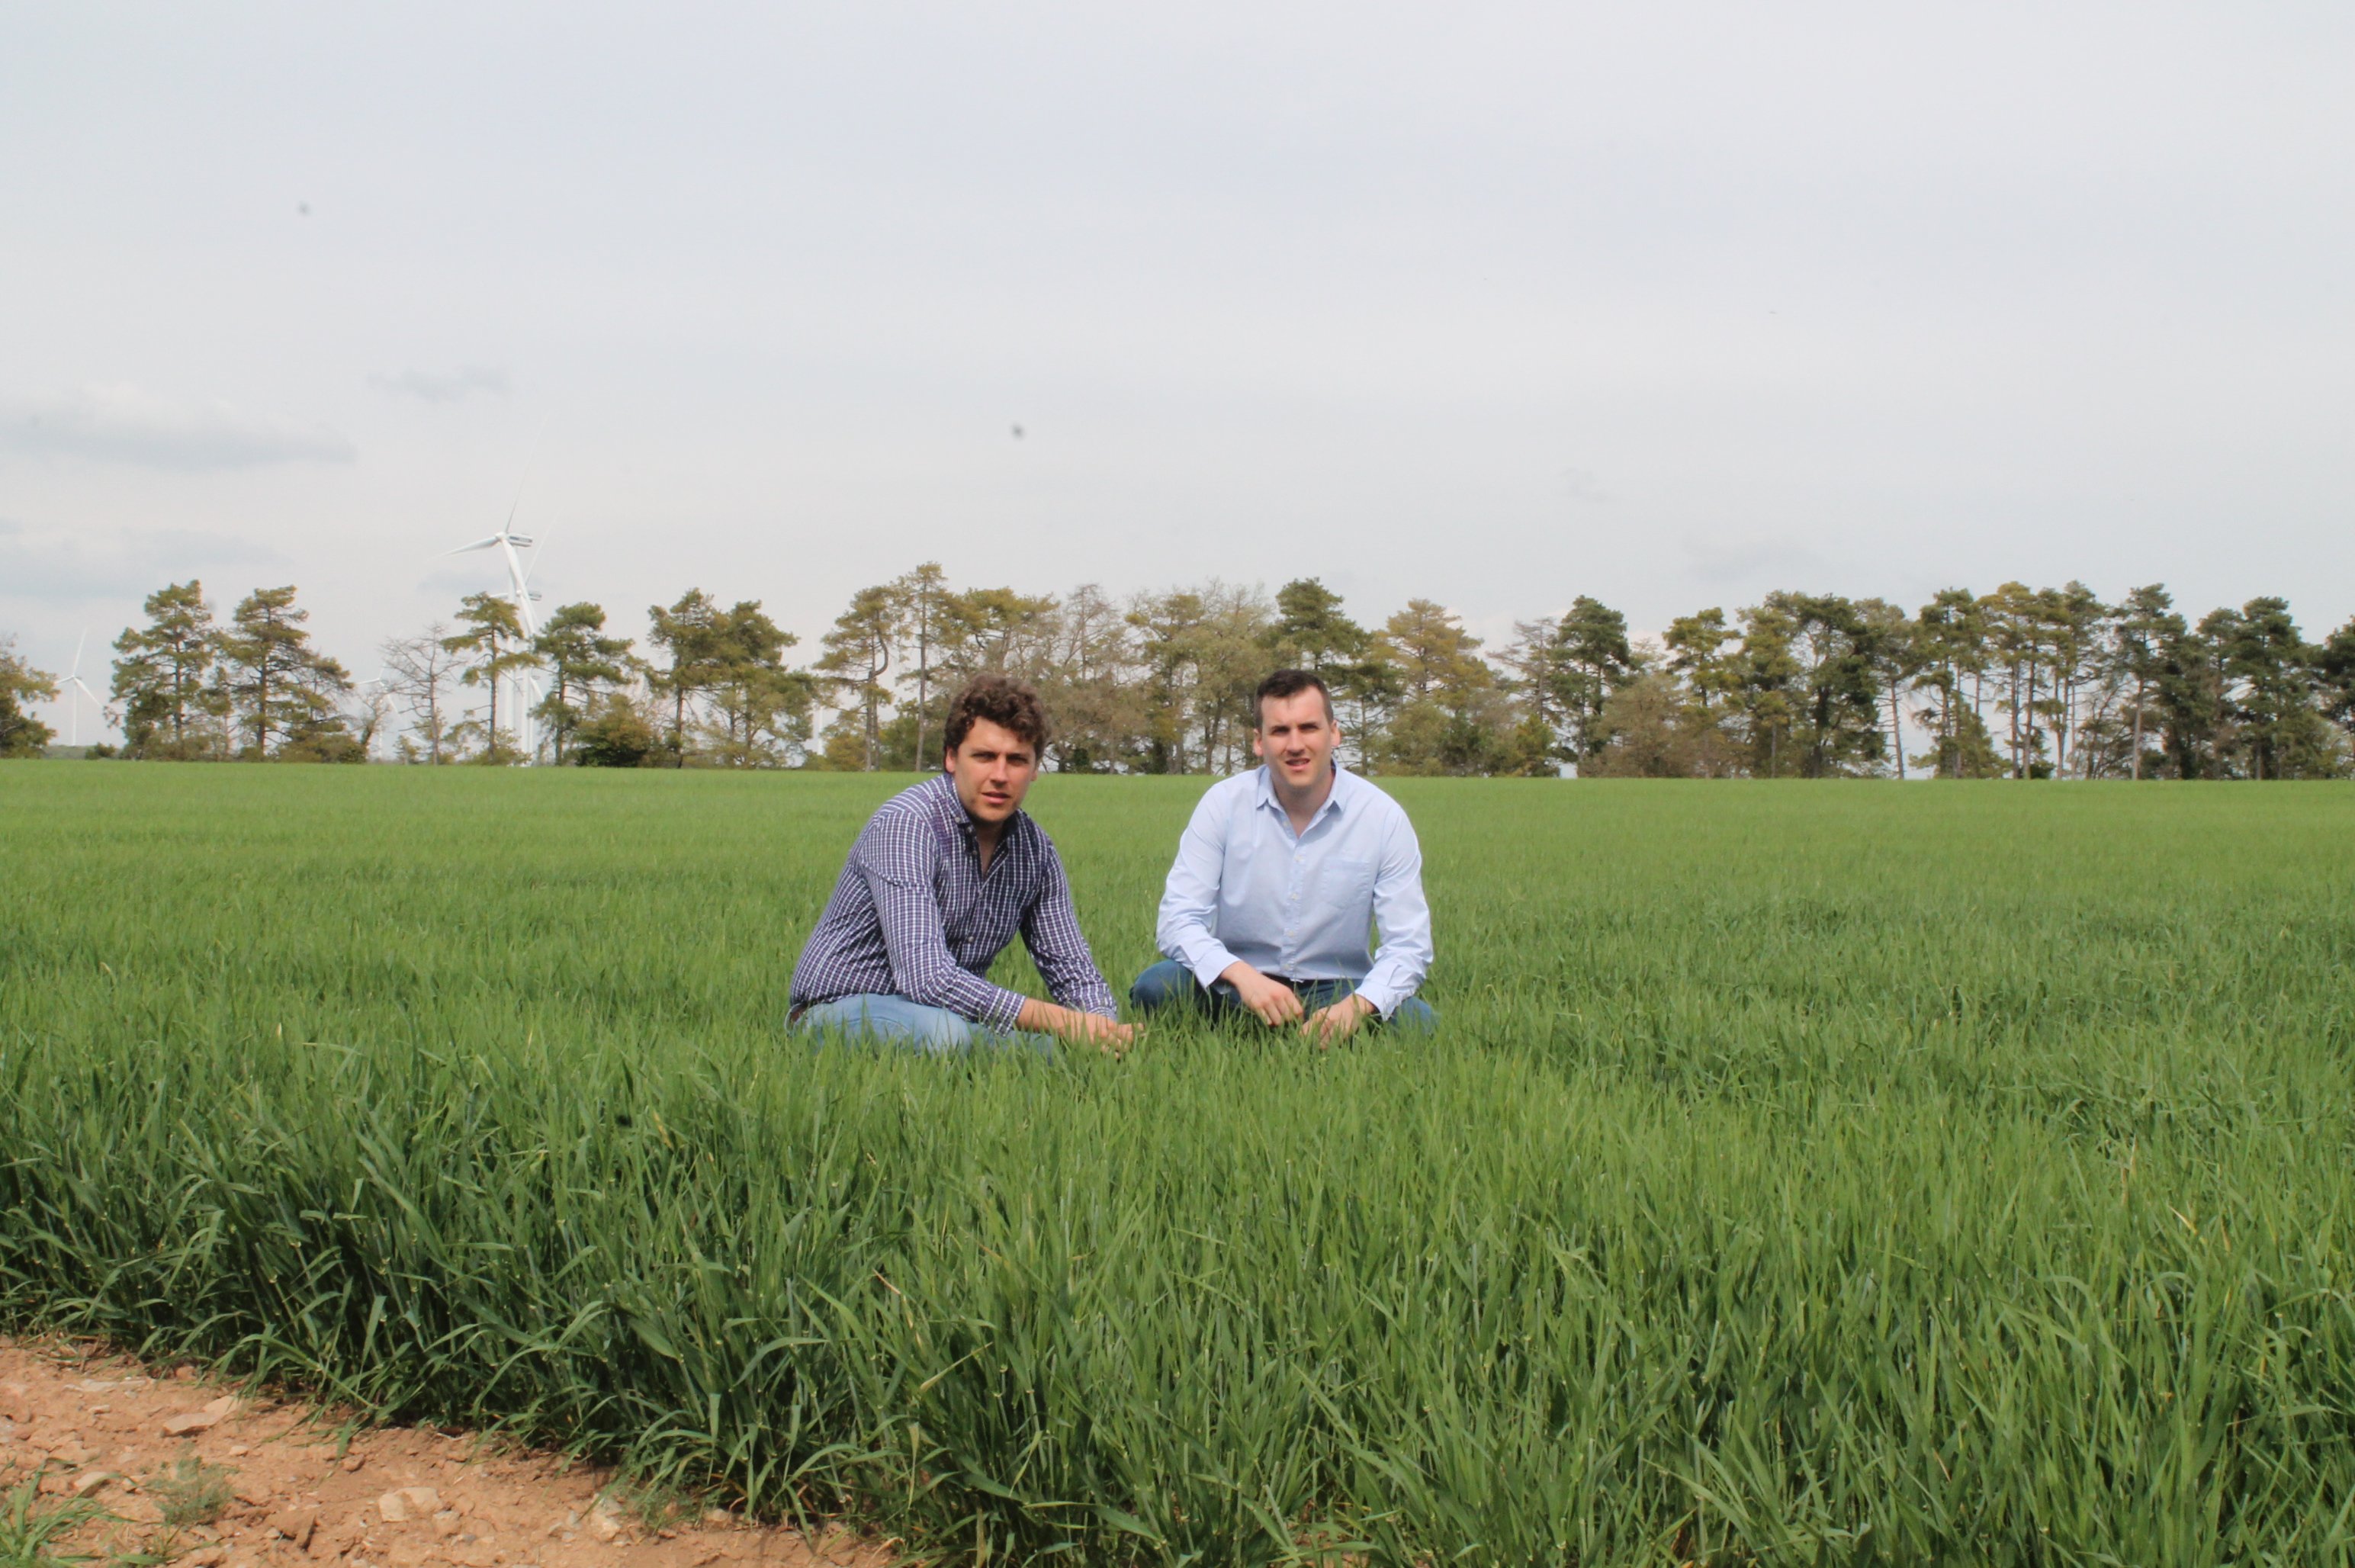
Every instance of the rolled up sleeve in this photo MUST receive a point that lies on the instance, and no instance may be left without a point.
(1187, 929)
(897, 867)
(1402, 917)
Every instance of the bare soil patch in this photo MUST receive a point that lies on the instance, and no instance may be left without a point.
(200, 1473)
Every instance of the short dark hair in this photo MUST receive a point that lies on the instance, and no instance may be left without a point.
(1003, 700)
(1286, 683)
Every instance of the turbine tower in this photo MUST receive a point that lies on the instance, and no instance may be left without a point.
(507, 541)
(76, 687)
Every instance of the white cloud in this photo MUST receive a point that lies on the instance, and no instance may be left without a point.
(126, 425)
(1737, 562)
(49, 565)
(443, 385)
(1581, 487)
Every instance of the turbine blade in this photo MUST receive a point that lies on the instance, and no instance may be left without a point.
(519, 590)
(489, 543)
(523, 477)
(533, 565)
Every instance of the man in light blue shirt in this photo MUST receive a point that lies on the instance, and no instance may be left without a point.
(1281, 880)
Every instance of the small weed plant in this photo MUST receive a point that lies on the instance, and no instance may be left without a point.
(189, 1492)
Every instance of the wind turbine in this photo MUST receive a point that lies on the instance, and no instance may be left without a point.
(75, 684)
(507, 541)
(527, 679)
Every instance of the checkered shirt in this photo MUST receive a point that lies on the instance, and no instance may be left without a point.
(914, 916)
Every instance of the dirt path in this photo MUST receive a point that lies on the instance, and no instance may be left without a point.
(146, 1443)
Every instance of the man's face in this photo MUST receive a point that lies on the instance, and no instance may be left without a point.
(1295, 737)
(992, 770)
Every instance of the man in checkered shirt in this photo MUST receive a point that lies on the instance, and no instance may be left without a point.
(937, 884)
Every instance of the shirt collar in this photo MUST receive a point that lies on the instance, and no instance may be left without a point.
(953, 808)
(1332, 801)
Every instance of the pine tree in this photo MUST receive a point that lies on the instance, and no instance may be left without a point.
(2270, 669)
(2191, 698)
(688, 631)
(1954, 648)
(762, 708)
(1835, 689)
(1891, 644)
(2147, 626)
(160, 677)
(279, 688)
(1592, 658)
(494, 646)
(1311, 631)
(582, 662)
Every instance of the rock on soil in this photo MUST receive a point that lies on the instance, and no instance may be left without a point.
(188, 1423)
(102, 1427)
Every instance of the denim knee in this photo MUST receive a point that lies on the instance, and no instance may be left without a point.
(1163, 985)
(890, 1021)
(1414, 1016)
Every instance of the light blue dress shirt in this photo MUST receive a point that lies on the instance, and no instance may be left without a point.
(1303, 905)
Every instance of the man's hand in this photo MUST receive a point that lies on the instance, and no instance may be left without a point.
(1338, 1021)
(1108, 1035)
(1272, 1001)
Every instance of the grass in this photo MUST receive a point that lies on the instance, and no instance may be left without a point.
(32, 1533)
(1803, 1174)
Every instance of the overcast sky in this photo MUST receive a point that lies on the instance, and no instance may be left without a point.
(1667, 303)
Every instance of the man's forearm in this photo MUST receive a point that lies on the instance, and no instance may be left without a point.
(1047, 1018)
(1043, 1018)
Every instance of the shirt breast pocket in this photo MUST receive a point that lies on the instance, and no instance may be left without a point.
(1346, 880)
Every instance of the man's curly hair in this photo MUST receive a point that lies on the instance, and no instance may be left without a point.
(1004, 702)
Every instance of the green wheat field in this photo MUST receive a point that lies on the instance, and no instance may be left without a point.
(1803, 1173)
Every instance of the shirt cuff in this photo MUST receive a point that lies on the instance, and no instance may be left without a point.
(1003, 1010)
(1384, 994)
(1208, 961)
(1098, 1001)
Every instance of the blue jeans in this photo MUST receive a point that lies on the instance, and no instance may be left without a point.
(1170, 984)
(895, 1020)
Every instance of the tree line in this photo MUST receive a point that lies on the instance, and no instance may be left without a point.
(2020, 683)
